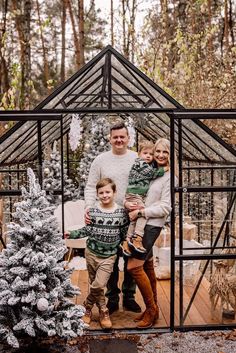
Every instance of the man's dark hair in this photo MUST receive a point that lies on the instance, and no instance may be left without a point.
(118, 126)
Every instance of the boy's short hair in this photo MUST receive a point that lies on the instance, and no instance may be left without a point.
(104, 182)
(118, 126)
(145, 144)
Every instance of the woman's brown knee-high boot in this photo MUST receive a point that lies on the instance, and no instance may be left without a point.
(145, 288)
(149, 269)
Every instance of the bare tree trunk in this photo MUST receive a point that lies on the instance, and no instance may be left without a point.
(75, 34)
(123, 13)
(226, 27)
(45, 57)
(22, 20)
(81, 32)
(231, 23)
(128, 13)
(210, 43)
(182, 5)
(63, 41)
(132, 28)
(112, 24)
(165, 30)
(4, 79)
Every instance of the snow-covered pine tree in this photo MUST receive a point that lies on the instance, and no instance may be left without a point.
(34, 284)
(96, 137)
(52, 178)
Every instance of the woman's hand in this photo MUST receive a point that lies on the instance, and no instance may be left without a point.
(133, 215)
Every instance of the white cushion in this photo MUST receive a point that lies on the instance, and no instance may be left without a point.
(73, 220)
(73, 215)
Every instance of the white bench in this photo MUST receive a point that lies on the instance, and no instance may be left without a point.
(73, 219)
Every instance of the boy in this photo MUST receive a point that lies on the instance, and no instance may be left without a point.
(108, 227)
(141, 174)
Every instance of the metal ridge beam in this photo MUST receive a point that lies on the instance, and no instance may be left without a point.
(177, 113)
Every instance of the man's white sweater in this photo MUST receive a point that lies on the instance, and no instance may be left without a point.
(109, 165)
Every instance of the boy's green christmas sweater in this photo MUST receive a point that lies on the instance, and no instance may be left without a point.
(105, 232)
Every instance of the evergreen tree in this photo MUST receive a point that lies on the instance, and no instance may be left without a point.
(96, 135)
(52, 179)
(94, 30)
(33, 281)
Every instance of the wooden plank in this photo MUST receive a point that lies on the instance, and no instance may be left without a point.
(188, 320)
(120, 319)
(165, 284)
(194, 313)
(164, 303)
(202, 302)
(199, 314)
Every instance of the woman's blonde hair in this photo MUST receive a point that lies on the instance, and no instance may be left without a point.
(166, 144)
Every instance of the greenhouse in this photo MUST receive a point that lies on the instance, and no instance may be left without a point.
(197, 246)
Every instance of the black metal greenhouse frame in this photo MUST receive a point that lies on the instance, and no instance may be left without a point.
(176, 118)
(110, 84)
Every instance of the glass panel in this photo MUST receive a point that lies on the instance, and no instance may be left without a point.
(75, 85)
(205, 142)
(16, 140)
(132, 76)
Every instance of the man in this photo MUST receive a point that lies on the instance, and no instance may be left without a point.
(115, 164)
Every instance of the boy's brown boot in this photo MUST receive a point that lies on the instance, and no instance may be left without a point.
(125, 248)
(88, 315)
(137, 243)
(104, 318)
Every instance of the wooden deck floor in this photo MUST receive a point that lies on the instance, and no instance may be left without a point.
(199, 314)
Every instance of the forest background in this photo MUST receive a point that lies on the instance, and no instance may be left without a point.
(187, 47)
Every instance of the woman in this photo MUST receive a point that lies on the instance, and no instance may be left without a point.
(157, 208)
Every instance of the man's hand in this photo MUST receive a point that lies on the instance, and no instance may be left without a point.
(87, 218)
(131, 206)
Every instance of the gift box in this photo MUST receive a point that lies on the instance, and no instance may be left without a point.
(190, 267)
(164, 238)
(187, 219)
(189, 231)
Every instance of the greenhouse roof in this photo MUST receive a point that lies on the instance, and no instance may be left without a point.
(110, 84)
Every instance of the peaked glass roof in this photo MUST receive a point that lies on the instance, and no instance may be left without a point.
(109, 81)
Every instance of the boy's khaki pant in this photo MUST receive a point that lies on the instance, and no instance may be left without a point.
(137, 226)
(99, 271)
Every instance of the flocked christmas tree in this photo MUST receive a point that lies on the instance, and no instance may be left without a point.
(96, 137)
(52, 178)
(34, 284)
